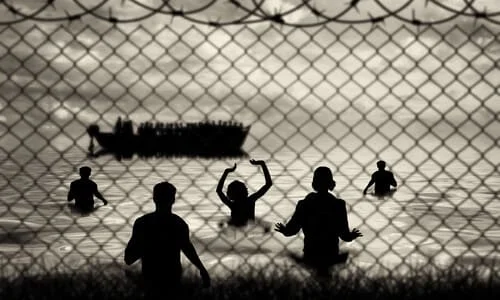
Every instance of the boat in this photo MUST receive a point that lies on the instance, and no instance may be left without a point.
(208, 139)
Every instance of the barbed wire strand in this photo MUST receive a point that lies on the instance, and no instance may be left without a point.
(249, 14)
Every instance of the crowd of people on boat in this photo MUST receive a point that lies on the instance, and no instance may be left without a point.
(159, 139)
(159, 237)
(158, 129)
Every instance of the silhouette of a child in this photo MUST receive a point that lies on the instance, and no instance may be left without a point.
(323, 219)
(237, 199)
(157, 240)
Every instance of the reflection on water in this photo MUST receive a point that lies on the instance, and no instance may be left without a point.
(423, 221)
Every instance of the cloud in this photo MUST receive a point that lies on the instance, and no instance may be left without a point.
(217, 66)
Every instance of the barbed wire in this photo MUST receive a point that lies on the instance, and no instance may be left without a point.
(428, 102)
(248, 12)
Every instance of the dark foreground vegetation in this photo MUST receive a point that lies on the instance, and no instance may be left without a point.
(458, 283)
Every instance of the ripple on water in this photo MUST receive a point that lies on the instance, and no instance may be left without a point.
(11, 225)
(65, 248)
(10, 249)
(423, 215)
(87, 244)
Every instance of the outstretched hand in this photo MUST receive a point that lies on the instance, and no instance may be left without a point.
(257, 162)
(280, 227)
(355, 233)
(228, 170)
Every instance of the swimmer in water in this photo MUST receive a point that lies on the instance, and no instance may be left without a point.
(237, 199)
(323, 219)
(83, 191)
(383, 181)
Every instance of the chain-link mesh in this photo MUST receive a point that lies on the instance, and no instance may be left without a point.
(424, 99)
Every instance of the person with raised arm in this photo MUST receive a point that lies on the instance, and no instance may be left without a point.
(241, 204)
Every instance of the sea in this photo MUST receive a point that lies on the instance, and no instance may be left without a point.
(425, 100)
(440, 215)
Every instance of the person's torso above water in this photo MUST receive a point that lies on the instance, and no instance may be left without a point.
(161, 239)
(383, 180)
(83, 190)
(242, 211)
(322, 216)
(324, 219)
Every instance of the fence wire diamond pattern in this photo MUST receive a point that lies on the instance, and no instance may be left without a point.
(423, 99)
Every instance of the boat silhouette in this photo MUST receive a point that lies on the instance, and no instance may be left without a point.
(202, 139)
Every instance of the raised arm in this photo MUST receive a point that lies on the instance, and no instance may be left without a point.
(255, 196)
(190, 252)
(220, 186)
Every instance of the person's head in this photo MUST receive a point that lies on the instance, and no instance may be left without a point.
(323, 180)
(164, 195)
(381, 164)
(237, 190)
(85, 172)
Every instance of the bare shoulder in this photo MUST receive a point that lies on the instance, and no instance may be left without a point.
(303, 204)
(179, 222)
(141, 220)
(340, 201)
(178, 219)
(147, 218)
(309, 196)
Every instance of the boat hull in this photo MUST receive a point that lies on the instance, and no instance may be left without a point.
(212, 142)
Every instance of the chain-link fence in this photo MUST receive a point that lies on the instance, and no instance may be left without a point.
(424, 99)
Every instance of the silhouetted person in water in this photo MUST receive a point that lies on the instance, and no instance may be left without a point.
(237, 199)
(83, 191)
(323, 219)
(382, 179)
(157, 240)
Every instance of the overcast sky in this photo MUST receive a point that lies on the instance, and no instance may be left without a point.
(219, 70)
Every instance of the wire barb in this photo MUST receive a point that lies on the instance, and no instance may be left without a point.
(253, 12)
(277, 18)
(235, 3)
(354, 4)
(335, 95)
